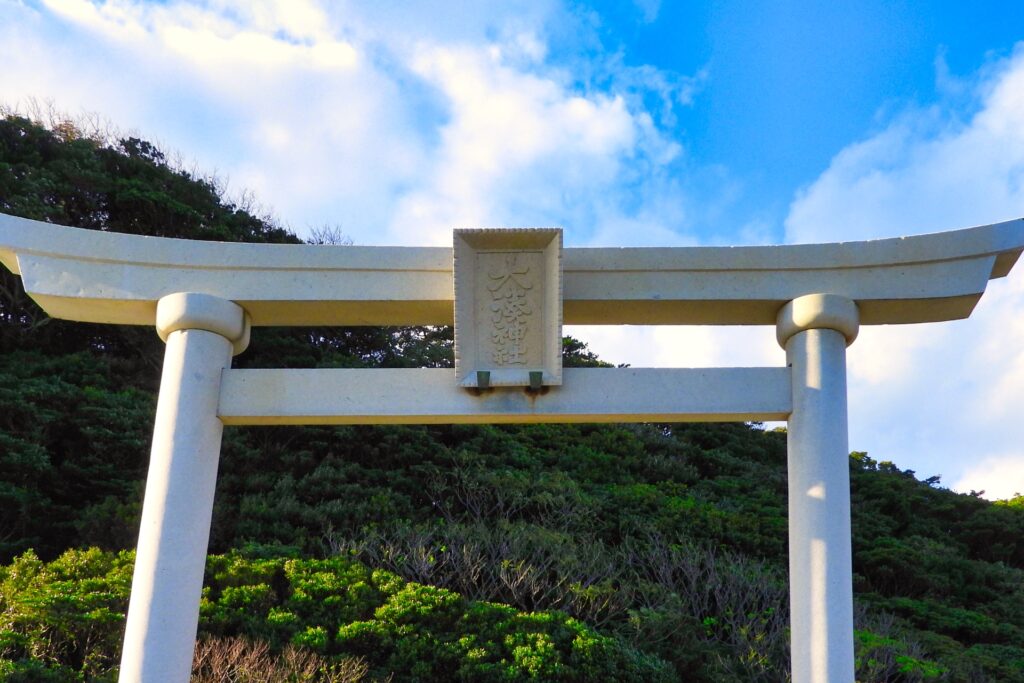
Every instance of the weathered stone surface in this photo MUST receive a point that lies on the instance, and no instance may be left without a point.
(508, 307)
(112, 278)
(431, 396)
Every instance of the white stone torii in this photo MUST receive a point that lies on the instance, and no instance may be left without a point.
(204, 297)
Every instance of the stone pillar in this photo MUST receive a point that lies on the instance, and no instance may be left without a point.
(202, 332)
(815, 330)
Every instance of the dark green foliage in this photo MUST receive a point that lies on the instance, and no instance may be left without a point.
(73, 439)
(614, 548)
(884, 658)
(917, 556)
(61, 177)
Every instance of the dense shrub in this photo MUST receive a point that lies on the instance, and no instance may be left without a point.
(66, 618)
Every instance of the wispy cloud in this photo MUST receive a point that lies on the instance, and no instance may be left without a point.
(649, 9)
(941, 398)
(999, 477)
(683, 346)
(397, 126)
(928, 170)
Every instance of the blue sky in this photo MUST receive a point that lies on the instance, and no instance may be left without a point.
(791, 83)
(644, 123)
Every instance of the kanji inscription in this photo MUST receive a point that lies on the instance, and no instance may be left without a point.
(507, 306)
(510, 308)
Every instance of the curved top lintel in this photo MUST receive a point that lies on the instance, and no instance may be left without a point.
(109, 277)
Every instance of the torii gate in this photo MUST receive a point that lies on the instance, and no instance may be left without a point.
(507, 294)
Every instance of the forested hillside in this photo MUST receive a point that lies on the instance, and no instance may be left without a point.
(478, 553)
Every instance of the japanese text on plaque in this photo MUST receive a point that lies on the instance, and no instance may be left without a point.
(510, 311)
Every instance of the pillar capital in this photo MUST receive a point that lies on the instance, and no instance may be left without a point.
(195, 311)
(818, 311)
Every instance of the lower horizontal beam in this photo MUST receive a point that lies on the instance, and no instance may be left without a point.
(431, 396)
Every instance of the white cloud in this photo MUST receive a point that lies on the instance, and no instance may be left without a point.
(671, 346)
(649, 9)
(1000, 477)
(941, 398)
(521, 148)
(926, 171)
(395, 125)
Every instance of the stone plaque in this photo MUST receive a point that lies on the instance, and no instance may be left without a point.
(508, 307)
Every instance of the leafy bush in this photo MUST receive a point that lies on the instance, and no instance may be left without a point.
(65, 619)
(67, 614)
